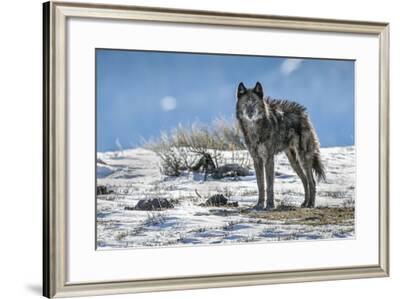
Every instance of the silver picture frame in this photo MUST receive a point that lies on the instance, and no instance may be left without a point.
(55, 15)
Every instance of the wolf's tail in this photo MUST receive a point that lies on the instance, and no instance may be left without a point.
(318, 167)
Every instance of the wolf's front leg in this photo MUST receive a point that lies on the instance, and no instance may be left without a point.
(270, 174)
(259, 168)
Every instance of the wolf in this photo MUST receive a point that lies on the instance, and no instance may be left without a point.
(271, 126)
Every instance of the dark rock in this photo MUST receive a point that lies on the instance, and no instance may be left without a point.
(103, 190)
(98, 160)
(230, 170)
(129, 208)
(219, 200)
(153, 204)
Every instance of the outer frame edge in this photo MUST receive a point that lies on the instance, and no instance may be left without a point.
(46, 276)
(384, 148)
(54, 284)
(112, 288)
(117, 11)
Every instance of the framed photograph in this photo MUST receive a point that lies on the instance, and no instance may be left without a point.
(197, 149)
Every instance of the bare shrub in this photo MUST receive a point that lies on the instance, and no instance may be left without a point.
(181, 148)
(154, 219)
(228, 133)
(172, 159)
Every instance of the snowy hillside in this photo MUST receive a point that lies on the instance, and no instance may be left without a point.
(134, 174)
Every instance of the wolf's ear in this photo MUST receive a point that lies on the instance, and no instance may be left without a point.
(258, 90)
(241, 89)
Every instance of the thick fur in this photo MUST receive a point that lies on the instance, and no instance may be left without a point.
(272, 126)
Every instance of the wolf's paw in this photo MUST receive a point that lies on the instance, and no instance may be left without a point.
(259, 206)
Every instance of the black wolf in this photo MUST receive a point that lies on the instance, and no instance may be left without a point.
(271, 126)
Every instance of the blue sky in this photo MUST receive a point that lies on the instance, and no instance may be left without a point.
(140, 93)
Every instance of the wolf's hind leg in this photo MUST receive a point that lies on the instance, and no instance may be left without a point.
(308, 163)
(270, 175)
(259, 168)
(295, 163)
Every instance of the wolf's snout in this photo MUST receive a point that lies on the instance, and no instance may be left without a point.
(250, 110)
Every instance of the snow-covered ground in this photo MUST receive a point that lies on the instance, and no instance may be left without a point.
(135, 174)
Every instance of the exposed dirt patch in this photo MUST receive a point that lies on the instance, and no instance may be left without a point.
(315, 216)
